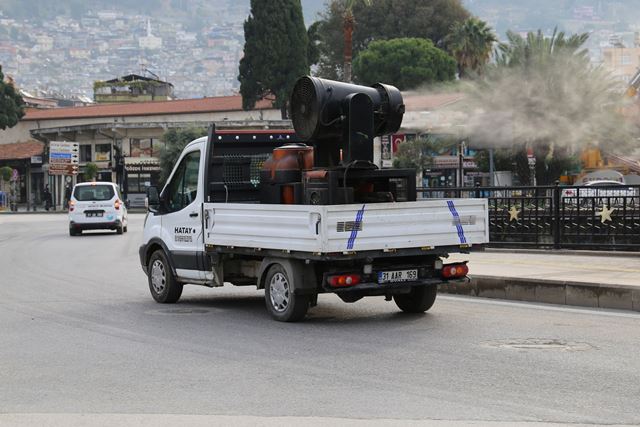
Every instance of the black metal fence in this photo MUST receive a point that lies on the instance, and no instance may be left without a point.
(580, 217)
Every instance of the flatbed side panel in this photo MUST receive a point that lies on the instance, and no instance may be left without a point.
(349, 228)
(419, 224)
(280, 227)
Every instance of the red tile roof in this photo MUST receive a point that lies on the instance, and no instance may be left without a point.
(415, 101)
(21, 150)
(180, 106)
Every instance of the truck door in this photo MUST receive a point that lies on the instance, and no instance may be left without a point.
(181, 224)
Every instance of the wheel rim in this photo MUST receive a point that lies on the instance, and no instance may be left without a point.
(279, 292)
(158, 276)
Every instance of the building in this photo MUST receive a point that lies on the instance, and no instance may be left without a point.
(435, 115)
(150, 41)
(132, 88)
(623, 62)
(27, 180)
(135, 130)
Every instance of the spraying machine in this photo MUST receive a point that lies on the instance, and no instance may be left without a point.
(339, 121)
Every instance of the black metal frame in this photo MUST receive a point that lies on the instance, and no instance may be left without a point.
(557, 216)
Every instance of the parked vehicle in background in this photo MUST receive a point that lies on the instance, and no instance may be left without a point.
(97, 206)
(600, 192)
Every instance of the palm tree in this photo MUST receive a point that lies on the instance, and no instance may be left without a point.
(471, 43)
(349, 22)
(537, 49)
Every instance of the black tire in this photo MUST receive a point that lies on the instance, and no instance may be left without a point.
(125, 228)
(162, 283)
(119, 229)
(419, 300)
(285, 306)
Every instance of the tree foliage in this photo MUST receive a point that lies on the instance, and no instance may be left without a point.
(382, 20)
(419, 153)
(405, 63)
(275, 52)
(470, 43)
(174, 142)
(90, 171)
(11, 104)
(5, 173)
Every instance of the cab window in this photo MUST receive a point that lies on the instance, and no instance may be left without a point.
(183, 187)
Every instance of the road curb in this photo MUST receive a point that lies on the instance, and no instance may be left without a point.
(598, 295)
(33, 212)
(584, 252)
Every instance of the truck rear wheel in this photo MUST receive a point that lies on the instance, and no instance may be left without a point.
(419, 300)
(282, 302)
(162, 283)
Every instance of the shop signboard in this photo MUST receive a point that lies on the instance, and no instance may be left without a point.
(452, 162)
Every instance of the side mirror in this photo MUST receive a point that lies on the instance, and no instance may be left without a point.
(152, 202)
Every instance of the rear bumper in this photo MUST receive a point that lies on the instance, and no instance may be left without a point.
(110, 225)
(374, 288)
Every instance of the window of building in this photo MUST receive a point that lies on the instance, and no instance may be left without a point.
(626, 60)
(103, 153)
(141, 148)
(158, 146)
(85, 153)
(138, 182)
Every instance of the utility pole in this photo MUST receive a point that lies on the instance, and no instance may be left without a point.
(492, 168)
(461, 148)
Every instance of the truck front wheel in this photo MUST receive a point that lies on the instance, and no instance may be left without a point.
(162, 283)
(419, 300)
(282, 302)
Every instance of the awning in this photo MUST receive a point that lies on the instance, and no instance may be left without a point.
(21, 150)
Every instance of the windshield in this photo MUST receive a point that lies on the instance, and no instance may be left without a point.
(93, 193)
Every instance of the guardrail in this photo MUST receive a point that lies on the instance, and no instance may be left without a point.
(571, 217)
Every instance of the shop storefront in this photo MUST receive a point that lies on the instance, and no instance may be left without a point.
(26, 183)
(139, 175)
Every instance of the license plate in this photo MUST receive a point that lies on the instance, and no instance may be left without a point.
(397, 276)
(92, 214)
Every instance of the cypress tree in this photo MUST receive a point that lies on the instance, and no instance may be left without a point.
(11, 104)
(275, 52)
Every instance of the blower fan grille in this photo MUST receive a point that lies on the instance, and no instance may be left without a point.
(304, 108)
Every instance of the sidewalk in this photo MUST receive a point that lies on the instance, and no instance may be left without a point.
(591, 279)
(22, 209)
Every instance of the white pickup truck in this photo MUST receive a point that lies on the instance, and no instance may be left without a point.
(196, 234)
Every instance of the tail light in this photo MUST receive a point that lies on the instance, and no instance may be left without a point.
(72, 205)
(343, 280)
(454, 271)
(117, 204)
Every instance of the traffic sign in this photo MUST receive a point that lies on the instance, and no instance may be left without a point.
(63, 158)
(64, 147)
(58, 169)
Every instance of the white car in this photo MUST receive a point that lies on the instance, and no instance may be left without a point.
(97, 206)
(611, 192)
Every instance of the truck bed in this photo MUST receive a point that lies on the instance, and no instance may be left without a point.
(348, 228)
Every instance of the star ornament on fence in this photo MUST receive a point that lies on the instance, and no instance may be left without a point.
(513, 214)
(605, 214)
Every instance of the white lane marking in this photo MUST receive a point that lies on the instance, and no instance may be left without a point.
(538, 306)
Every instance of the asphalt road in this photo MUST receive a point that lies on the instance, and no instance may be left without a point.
(80, 334)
